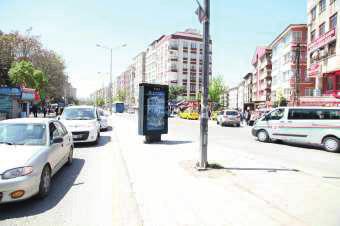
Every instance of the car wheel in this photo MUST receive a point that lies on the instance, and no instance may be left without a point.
(45, 182)
(70, 157)
(331, 144)
(97, 140)
(238, 125)
(262, 136)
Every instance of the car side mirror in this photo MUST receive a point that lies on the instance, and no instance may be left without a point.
(57, 140)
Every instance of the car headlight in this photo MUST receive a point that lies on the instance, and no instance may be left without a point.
(17, 172)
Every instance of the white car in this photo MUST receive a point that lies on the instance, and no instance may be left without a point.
(104, 124)
(32, 151)
(229, 117)
(83, 122)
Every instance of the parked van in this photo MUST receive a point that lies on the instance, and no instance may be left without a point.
(314, 125)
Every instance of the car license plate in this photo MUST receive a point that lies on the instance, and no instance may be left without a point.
(77, 136)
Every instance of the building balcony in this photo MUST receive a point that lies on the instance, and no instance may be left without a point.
(173, 47)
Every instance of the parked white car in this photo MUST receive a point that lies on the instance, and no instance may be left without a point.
(315, 125)
(104, 122)
(32, 151)
(229, 117)
(82, 122)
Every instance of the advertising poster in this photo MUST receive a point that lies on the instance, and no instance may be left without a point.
(155, 110)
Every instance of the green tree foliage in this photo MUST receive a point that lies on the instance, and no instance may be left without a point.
(216, 89)
(100, 102)
(15, 47)
(175, 91)
(121, 96)
(23, 73)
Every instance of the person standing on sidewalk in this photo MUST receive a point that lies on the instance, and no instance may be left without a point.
(44, 111)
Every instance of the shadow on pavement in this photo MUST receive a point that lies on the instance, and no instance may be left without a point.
(172, 142)
(62, 182)
(299, 145)
(102, 142)
(217, 166)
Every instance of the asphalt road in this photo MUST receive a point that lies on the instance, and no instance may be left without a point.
(306, 158)
(95, 189)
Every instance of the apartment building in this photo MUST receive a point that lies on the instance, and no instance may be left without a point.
(323, 58)
(139, 70)
(240, 95)
(177, 59)
(286, 80)
(262, 77)
(248, 93)
(126, 82)
(233, 98)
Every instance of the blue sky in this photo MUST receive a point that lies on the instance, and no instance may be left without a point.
(73, 27)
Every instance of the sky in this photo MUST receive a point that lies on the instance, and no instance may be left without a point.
(72, 28)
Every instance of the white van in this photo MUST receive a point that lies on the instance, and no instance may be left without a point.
(314, 125)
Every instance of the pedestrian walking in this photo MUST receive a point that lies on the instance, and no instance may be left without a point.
(35, 111)
(44, 111)
(56, 111)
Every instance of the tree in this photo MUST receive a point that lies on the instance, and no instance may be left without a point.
(280, 100)
(216, 89)
(121, 96)
(100, 102)
(175, 91)
(21, 73)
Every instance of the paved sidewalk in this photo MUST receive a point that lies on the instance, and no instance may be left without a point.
(245, 191)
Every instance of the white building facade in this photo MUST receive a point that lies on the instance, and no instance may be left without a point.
(233, 98)
(177, 59)
(323, 59)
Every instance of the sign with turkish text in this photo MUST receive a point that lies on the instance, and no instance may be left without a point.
(314, 70)
(322, 40)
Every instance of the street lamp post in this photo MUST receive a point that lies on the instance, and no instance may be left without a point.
(110, 84)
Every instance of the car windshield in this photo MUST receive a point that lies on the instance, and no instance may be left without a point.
(22, 134)
(231, 113)
(78, 114)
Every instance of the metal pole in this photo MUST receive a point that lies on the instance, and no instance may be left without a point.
(110, 88)
(297, 79)
(203, 161)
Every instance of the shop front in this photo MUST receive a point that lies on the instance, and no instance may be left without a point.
(9, 102)
(331, 84)
(27, 99)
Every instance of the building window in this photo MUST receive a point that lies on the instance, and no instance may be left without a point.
(332, 48)
(308, 92)
(185, 54)
(312, 36)
(333, 21)
(192, 88)
(322, 6)
(185, 67)
(193, 67)
(313, 13)
(185, 44)
(297, 36)
(193, 45)
(329, 83)
(322, 29)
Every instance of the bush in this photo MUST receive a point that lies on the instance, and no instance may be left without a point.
(191, 115)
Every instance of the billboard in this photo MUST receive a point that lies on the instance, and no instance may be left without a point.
(153, 109)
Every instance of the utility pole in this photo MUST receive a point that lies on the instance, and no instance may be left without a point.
(297, 75)
(110, 85)
(203, 161)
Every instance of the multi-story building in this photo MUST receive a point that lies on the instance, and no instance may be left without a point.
(240, 95)
(233, 98)
(248, 93)
(262, 77)
(323, 59)
(287, 81)
(139, 69)
(126, 82)
(177, 59)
